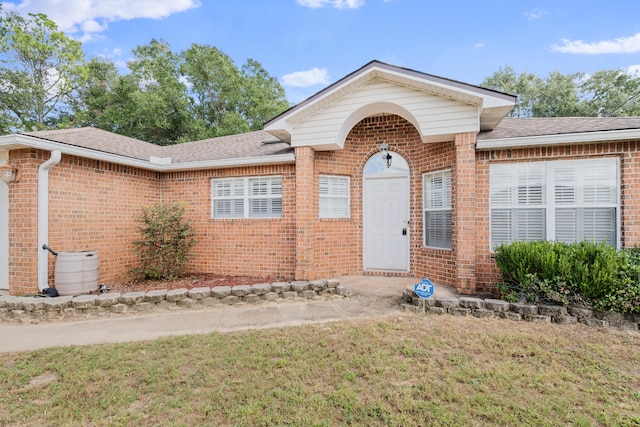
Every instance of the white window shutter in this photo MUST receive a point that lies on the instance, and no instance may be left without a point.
(501, 227)
(334, 199)
(584, 202)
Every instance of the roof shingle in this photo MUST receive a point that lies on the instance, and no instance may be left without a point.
(245, 145)
(511, 127)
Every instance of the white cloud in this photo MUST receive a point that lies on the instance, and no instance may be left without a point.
(536, 13)
(312, 77)
(620, 45)
(478, 45)
(338, 4)
(85, 19)
(634, 70)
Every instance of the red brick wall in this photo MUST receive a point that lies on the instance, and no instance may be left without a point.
(23, 217)
(464, 227)
(305, 213)
(92, 205)
(628, 153)
(242, 246)
(338, 242)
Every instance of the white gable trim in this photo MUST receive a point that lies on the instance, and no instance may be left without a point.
(490, 106)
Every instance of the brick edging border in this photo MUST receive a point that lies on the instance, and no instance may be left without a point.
(17, 309)
(479, 307)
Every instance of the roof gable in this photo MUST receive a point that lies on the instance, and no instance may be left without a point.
(491, 106)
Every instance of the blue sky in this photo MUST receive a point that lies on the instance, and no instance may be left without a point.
(308, 44)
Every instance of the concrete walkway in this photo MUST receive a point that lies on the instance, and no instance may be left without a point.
(371, 297)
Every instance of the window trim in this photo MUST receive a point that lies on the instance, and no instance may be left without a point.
(549, 204)
(447, 207)
(330, 196)
(246, 197)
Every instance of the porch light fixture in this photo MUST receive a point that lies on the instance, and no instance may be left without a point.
(9, 174)
(384, 153)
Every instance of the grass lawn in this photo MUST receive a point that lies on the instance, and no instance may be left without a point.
(405, 370)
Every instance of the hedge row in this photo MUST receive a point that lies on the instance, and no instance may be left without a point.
(584, 274)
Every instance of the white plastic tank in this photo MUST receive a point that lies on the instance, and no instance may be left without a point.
(77, 273)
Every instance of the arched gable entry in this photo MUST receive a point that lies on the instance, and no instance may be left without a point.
(386, 214)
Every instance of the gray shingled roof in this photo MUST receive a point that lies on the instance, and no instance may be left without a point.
(251, 144)
(101, 140)
(261, 143)
(522, 127)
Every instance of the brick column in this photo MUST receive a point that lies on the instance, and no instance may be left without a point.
(305, 213)
(465, 213)
(23, 225)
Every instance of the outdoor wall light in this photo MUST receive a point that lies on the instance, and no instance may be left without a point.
(9, 174)
(384, 153)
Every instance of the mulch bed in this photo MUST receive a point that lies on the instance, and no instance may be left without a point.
(188, 282)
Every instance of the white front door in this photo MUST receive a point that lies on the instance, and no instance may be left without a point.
(386, 223)
(4, 236)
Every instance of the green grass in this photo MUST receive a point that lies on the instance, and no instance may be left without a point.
(405, 371)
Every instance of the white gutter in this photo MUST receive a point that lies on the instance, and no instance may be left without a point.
(559, 139)
(228, 163)
(43, 217)
(155, 164)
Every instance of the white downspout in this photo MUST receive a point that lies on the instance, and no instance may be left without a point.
(43, 217)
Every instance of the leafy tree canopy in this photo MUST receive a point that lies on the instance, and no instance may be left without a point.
(164, 97)
(603, 93)
(40, 68)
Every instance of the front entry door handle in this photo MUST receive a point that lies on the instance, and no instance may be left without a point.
(404, 231)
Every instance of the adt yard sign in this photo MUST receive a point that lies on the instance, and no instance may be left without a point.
(424, 289)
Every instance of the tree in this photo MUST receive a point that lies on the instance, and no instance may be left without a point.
(604, 93)
(40, 67)
(263, 97)
(215, 87)
(612, 92)
(161, 113)
(226, 100)
(525, 85)
(96, 95)
(558, 96)
(169, 98)
(165, 98)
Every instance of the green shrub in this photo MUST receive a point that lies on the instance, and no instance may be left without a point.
(577, 274)
(626, 297)
(166, 239)
(592, 269)
(518, 260)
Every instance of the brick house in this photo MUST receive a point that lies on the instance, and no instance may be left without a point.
(316, 195)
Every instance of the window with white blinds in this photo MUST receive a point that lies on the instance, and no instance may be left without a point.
(437, 209)
(253, 197)
(567, 200)
(334, 197)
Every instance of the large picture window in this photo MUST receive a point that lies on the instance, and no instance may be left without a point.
(334, 197)
(566, 200)
(252, 197)
(437, 209)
